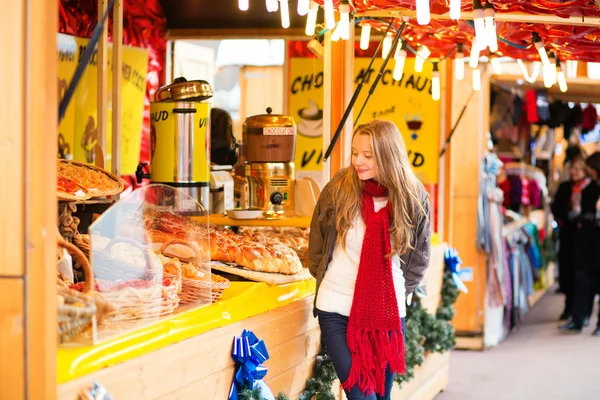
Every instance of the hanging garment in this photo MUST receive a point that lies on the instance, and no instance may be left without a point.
(543, 107)
(518, 108)
(525, 191)
(589, 118)
(535, 194)
(516, 191)
(558, 114)
(531, 106)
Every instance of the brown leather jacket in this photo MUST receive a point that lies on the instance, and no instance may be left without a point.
(323, 236)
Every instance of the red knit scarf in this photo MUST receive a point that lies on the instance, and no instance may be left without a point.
(374, 327)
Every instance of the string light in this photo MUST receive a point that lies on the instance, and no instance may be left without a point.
(478, 20)
(365, 37)
(400, 58)
(552, 68)
(422, 55)
(387, 45)
(423, 15)
(490, 27)
(303, 7)
(534, 74)
(539, 45)
(455, 9)
(476, 79)
(572, 68)
(272, 5)
(244, 5)
(344, 25)
(435, 82)
(474, 56)
(311, 20)
(560, 77)
(496, 66)
(285, 13)
(329, 14)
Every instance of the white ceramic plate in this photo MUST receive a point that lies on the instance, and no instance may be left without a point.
(244, 214)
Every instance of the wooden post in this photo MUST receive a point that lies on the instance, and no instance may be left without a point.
(28, 148)
(463, 191)
(102, 89)
(117, 74)
(341, 74)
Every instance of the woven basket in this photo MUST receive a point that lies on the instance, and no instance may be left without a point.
(133, 303)
(196, 290)
(109, 267)
(76, 310)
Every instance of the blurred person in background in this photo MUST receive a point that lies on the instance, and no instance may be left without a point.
(587, 251)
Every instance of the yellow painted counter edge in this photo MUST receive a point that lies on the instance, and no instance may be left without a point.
(242, 300)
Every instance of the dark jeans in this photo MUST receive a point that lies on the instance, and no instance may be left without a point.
(333, 331)
(587, 284)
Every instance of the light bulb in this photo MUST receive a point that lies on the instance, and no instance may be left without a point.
(400, 58)
(496, 66)
(365, 36)
(560, 77)
(420, 58)
(387, 45)
(329, 15)
(272, 5)
(459, 66)
(474, 56)
(285, 14)
(243, 5)
(423, 15)
(303, 7)
(455, 9)
(344, 24)
(336, 34)
(478, 20)
(542, 52)
(311, 19)
(476, 79)
(572, 68)
(490, 27)
(435, 83)
(552, 69)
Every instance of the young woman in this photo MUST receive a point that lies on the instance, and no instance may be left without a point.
(566, 209)
(368, 249)
(587, 251)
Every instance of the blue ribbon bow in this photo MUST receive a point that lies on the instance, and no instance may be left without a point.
(453, 262)
(249, 353)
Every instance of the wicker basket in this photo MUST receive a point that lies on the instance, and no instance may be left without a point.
(76, 310)
(109, 267)
(197, 290)
(137, 303)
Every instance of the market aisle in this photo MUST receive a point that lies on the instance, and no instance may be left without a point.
(535, 362)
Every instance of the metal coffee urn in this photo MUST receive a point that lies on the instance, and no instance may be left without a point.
(180, 138)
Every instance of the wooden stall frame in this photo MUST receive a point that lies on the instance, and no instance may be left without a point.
(28, 149)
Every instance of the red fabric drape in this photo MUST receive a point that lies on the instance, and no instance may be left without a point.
(144, 25)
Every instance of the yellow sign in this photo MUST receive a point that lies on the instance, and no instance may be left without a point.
(408, 103)
(84, 138)
(165, 134)
(67, 62)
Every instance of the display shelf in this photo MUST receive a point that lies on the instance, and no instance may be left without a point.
(291, 222)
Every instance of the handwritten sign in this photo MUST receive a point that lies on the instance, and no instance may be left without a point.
(82, 137)
(408, 103)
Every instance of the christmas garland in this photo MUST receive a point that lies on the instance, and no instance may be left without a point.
(424, 332)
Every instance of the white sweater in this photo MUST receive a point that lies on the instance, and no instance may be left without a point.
(337, 288)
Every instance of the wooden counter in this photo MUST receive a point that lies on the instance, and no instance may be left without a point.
(203, 363)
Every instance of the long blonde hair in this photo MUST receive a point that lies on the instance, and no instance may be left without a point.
(395, 173)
